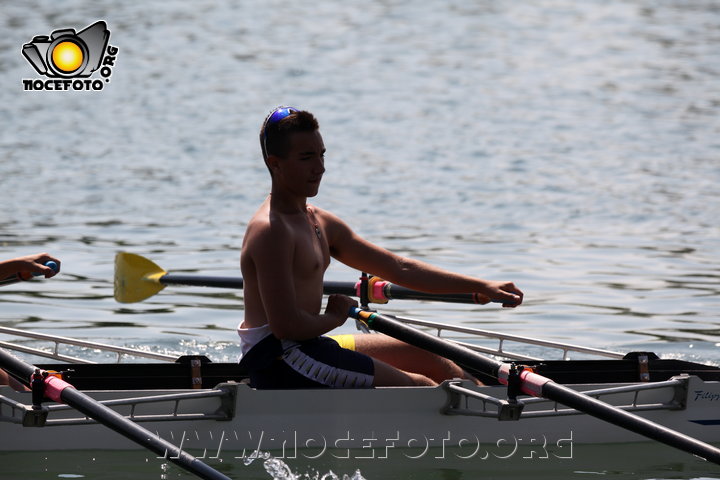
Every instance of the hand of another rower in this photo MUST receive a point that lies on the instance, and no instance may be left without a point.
(26, 266)
(338, 307)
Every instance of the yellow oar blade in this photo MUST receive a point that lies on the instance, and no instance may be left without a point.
(136, 278)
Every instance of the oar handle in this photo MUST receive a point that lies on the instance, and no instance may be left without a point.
(51, 265)
(16, 277)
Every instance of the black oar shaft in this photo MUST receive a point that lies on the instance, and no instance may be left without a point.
(329, 287)
(596, 408)
(342, 288)
(113, 420)
(551, 390)
(457, 353)
(22, 371)
(202, 281)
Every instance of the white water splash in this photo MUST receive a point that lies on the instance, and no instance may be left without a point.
(279, 470)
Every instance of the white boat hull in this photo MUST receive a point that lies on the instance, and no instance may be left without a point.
(372, 422)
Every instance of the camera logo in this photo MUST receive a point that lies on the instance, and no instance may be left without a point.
(68, 56)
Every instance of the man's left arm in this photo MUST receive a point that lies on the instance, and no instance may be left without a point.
(356, 252)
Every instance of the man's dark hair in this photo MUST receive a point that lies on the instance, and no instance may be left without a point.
(275, 137)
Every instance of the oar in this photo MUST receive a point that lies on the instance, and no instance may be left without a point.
(60, 391)
(537, 385)
(138, 278)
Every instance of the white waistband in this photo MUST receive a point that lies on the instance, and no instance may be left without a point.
(249, 337)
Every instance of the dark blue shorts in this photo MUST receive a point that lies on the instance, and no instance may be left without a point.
(316, 363)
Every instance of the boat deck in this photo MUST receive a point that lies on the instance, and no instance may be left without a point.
(635, 367)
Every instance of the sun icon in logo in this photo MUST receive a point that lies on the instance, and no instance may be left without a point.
(67, 56)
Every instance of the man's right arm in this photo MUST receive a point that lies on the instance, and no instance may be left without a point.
(272, 252)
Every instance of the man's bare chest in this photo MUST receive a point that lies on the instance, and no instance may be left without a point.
(312, 253)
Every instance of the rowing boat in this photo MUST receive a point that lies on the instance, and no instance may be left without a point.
(190, 403)
(201, 405)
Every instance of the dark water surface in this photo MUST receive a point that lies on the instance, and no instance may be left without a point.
(572, 147)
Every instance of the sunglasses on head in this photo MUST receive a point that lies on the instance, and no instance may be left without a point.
(275, 116)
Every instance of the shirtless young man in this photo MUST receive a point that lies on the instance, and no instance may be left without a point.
(286, 250)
